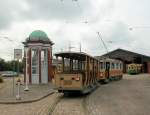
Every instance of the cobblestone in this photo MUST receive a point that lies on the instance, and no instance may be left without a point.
(41, 107)
(70, 106)
(7, 94)
(130, 96)
(2, 85)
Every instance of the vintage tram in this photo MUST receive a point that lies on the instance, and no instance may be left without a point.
(134, 68)
(78, 72)
(110, 69)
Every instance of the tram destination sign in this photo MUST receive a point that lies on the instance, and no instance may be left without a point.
(17, 54)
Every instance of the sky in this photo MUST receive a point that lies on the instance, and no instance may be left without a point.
(121, 23)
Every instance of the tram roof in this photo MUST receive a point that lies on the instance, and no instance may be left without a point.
(74, 55)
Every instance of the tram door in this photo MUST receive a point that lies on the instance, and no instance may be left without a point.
(107, 69)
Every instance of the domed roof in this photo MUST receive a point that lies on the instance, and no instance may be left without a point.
(38, 35)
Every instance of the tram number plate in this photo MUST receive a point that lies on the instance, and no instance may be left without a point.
(67, 82)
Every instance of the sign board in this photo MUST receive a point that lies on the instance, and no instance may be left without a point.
(17, 54)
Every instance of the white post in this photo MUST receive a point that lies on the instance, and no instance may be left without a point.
(18, 97)
(27, 77)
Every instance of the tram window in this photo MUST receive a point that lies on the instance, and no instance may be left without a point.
(117, 66)
(75, 65)
(83, 65)
(101, 65)
(120, 66)
(66, 64)
(104, 65)
(112, 66)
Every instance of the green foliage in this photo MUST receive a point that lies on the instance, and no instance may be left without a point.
(1, 80)
(2, 65)
(10, 65)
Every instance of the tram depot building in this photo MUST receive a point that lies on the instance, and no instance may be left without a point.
(128, 57)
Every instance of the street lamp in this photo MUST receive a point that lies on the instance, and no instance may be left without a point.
(27, 77)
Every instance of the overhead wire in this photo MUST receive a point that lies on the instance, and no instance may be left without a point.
(87, 23)
(99, 35)
(68, 21)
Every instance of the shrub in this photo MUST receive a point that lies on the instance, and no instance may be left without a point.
(1, 80)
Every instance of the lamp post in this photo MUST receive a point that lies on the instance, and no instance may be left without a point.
(27, 77)
(18, 97)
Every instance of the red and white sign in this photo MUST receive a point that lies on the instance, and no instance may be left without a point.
(17, 54)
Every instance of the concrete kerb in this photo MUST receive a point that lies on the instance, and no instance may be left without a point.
(27, 101)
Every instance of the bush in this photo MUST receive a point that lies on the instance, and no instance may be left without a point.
(1, 80)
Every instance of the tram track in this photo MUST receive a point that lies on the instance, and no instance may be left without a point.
(74, 104)
(71, 105)
(56, 100)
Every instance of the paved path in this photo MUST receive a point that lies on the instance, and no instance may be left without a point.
(70, 106)
(36, 92)
(2, 85)
(130, 96)
(41, 107)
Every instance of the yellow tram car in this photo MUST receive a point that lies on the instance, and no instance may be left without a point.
(110, 69)
(78, 72)
(134, 68)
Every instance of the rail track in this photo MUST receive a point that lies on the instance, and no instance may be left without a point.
(70, 105)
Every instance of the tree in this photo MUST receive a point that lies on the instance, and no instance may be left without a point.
(2, 65)
(11, 65)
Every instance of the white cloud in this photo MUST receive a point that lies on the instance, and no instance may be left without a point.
(64, 23)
